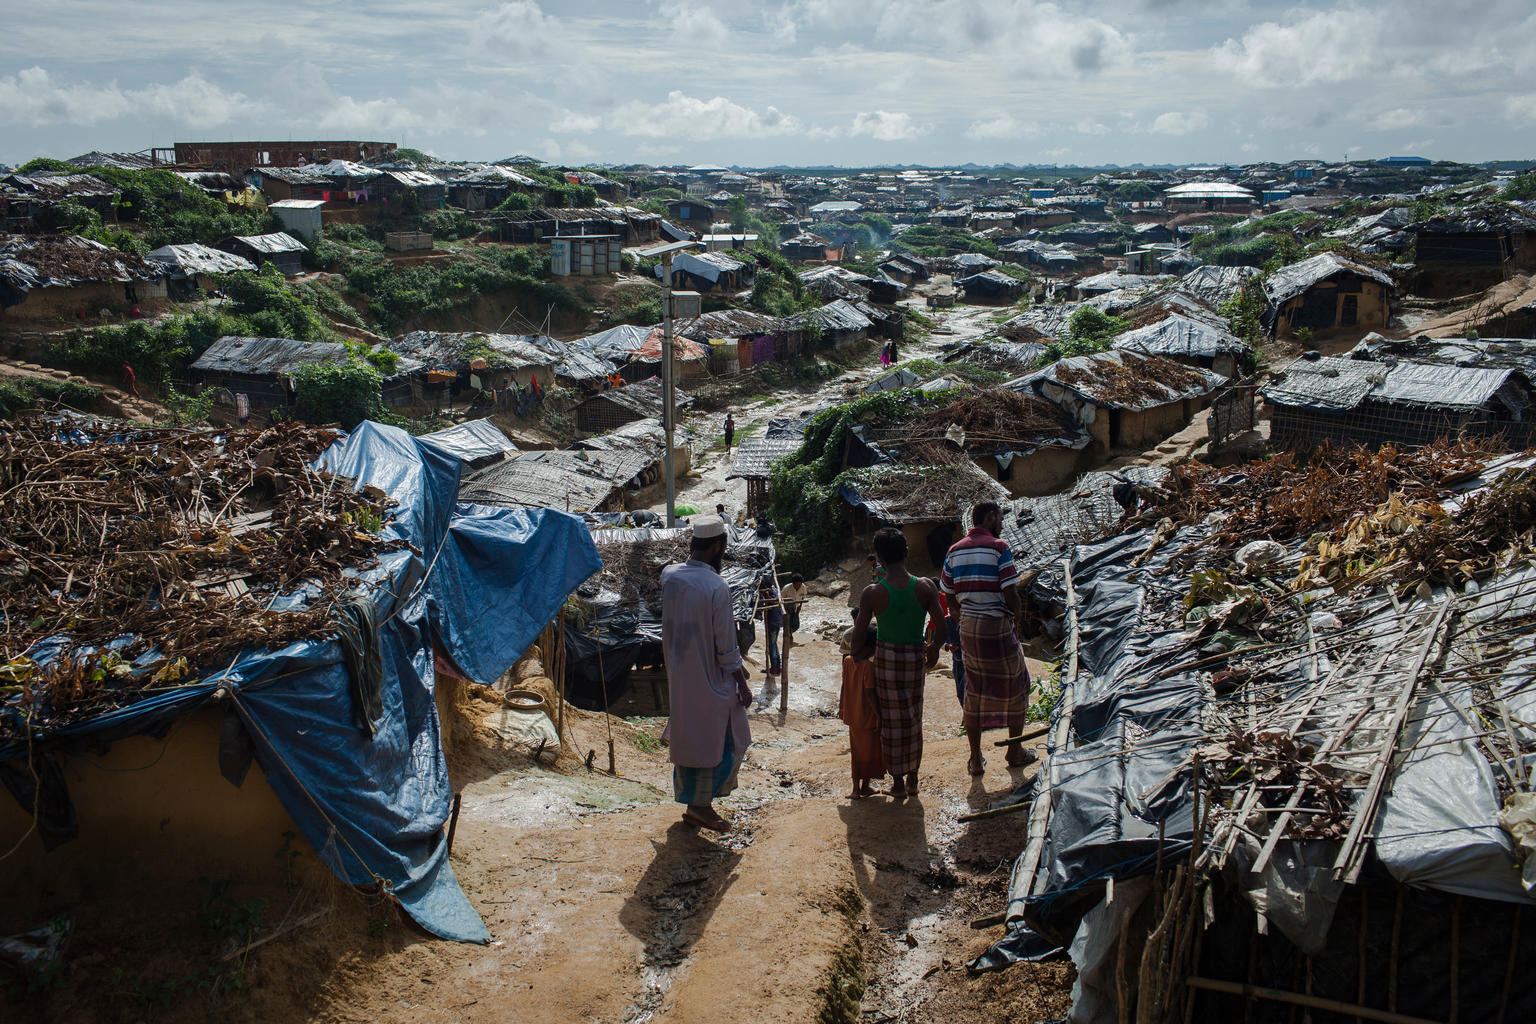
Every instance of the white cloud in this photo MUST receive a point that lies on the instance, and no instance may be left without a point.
(1521, 108)
(576, 123)
(1249, 147)
(519, 29)
(33, 97)
(690, 117)
(887, 126)
(1326, 46)
(344, 115)
(1398, 119)
(1001, 126)
(1177, 122)
(1088, 126)
(691, 23)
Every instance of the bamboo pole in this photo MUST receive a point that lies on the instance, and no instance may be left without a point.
(1236, 988)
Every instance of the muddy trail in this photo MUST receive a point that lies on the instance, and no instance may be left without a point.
(603, 906)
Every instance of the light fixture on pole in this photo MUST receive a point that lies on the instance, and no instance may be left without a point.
(668, 389)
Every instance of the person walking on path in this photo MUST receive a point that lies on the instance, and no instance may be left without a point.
(860, 711)
(771, 612)
(130, 381)
(708, 733)
(794, 597)
(900, 604)
(730, 432)
(980, 574)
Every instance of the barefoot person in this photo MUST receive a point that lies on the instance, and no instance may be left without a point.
(708, 733)
(900, 604)
(860, 712)
(979, 573)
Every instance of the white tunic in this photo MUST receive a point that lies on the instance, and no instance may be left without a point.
(698, 641)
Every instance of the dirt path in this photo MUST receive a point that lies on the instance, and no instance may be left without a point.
(706, 485)
(603, 907)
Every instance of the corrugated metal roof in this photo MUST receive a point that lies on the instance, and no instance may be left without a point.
(193, 258)
(1208, 190)
(471, 440)
(414, 179)
(729, 323)
(572, 481)
(1288, 282)
(276, 242)
(445, 349)
(51, 186)
(1215, 285)
(753, 457)
(261, 356)
(841, 315)
(1177, 335)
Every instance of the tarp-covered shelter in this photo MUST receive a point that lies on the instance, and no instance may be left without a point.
(1326, 291)
(618, 406)
(55, 275)
(1284, 774)
(619, 608)
(1355, 401)
(475, 443)
(279, 248)
(467, 591)
(1188, 340)
(1123, 397)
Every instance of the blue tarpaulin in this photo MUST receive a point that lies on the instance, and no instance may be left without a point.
(485, 581)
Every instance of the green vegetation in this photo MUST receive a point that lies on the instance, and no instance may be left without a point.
(345, 393)
(518, 202)
(45, 164)
(400, 297)
(190, 409)
(261, 304)
(1523, 187)
(1088, 330)
(777, 289)
(18, 394)
(449, 225)
(168, 210)
(932, 241)
(804, 485)
(411, 157)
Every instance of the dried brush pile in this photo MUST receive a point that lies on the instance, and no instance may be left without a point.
(1135, 378)
(995, 416)
(1286, 497)
(136, 560)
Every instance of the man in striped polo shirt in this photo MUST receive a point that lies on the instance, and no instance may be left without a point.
(979, 573)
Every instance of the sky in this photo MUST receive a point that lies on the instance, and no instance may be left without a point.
(795, 82)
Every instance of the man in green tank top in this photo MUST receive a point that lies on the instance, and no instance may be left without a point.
(900, 605)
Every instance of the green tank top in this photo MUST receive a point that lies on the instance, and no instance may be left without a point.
(902, 622)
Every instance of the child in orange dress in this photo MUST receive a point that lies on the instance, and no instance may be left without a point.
(856, 707)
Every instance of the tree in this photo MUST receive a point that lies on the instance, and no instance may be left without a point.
(738, 210)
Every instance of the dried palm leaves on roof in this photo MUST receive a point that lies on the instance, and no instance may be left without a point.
(136, 560)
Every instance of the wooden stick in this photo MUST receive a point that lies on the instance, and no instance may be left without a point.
(995, 812)
(1028, 734)
(990, 921)
(1347, 866)
(1397, 932)
(276, 933)
(1236, 988)
(1509, 965)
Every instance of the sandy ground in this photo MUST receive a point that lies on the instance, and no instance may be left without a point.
(604, 907)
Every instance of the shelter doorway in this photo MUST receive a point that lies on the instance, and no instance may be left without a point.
(1351, 311)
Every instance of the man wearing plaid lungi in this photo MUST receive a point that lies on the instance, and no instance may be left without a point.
(979, 573)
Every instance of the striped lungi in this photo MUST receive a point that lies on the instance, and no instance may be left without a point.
(899, 670)
(996, 678)
(696, 787)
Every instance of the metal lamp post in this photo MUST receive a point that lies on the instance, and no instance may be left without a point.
(668, 389)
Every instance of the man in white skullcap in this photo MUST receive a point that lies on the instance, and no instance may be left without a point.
(708, 733)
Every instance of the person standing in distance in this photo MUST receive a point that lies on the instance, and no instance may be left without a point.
(730, 431)
(980, 575)
(708, 732)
